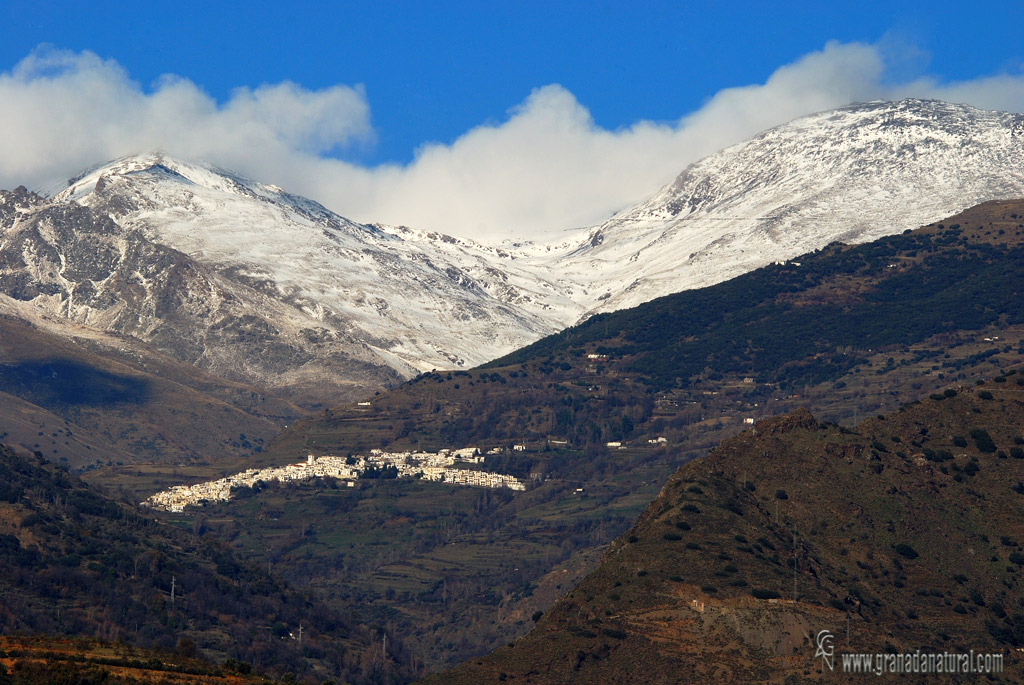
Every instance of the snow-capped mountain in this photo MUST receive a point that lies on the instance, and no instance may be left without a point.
(260, 285)
(256, 284)
(852, 175)
(412, 295)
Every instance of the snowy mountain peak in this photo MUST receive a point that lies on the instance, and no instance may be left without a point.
(162, 175)
(852, 174)
(255, 283)
(849, 145)
(288, 277)
(151, 163)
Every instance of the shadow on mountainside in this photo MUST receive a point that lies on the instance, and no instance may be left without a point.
(62, 382)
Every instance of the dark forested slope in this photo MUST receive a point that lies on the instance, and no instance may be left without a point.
(74, 562)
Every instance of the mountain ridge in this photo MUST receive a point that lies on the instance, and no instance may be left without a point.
(851, 174)
(402, 294)
(296, 283)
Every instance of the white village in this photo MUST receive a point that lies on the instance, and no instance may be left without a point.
(431, 466)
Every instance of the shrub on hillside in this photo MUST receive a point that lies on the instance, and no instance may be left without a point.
(982, 440)
(905, 550)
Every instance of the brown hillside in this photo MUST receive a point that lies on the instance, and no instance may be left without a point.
(905, 533)
(76, 563)
(46, 660)
(89, 398)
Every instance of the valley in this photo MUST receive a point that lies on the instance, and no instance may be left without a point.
(401, 550)
(420, 450)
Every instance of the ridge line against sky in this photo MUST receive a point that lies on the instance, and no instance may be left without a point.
(532, 170)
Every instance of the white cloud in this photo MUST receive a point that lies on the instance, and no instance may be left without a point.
(1003, 92)
(546, 168)
(61, 112)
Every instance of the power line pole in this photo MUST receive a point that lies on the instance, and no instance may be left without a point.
(794, 565)
(173, 581)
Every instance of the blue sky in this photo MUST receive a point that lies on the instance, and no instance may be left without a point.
(399, 92)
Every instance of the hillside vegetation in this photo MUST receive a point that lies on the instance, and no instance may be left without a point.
(902, 533)
(73, 562)
(47, 660)
(816, 317)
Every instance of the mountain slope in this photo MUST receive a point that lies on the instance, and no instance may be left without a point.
(905, 529)
(851, 175)
(815, 318)
(86, 398)
(663, 381)
(75, 562)
(71, 262)
(405, 293)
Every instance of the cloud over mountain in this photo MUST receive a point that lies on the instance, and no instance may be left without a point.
(546, 167)
(62, 111)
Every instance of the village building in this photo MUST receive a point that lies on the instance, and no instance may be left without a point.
(432, 466)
